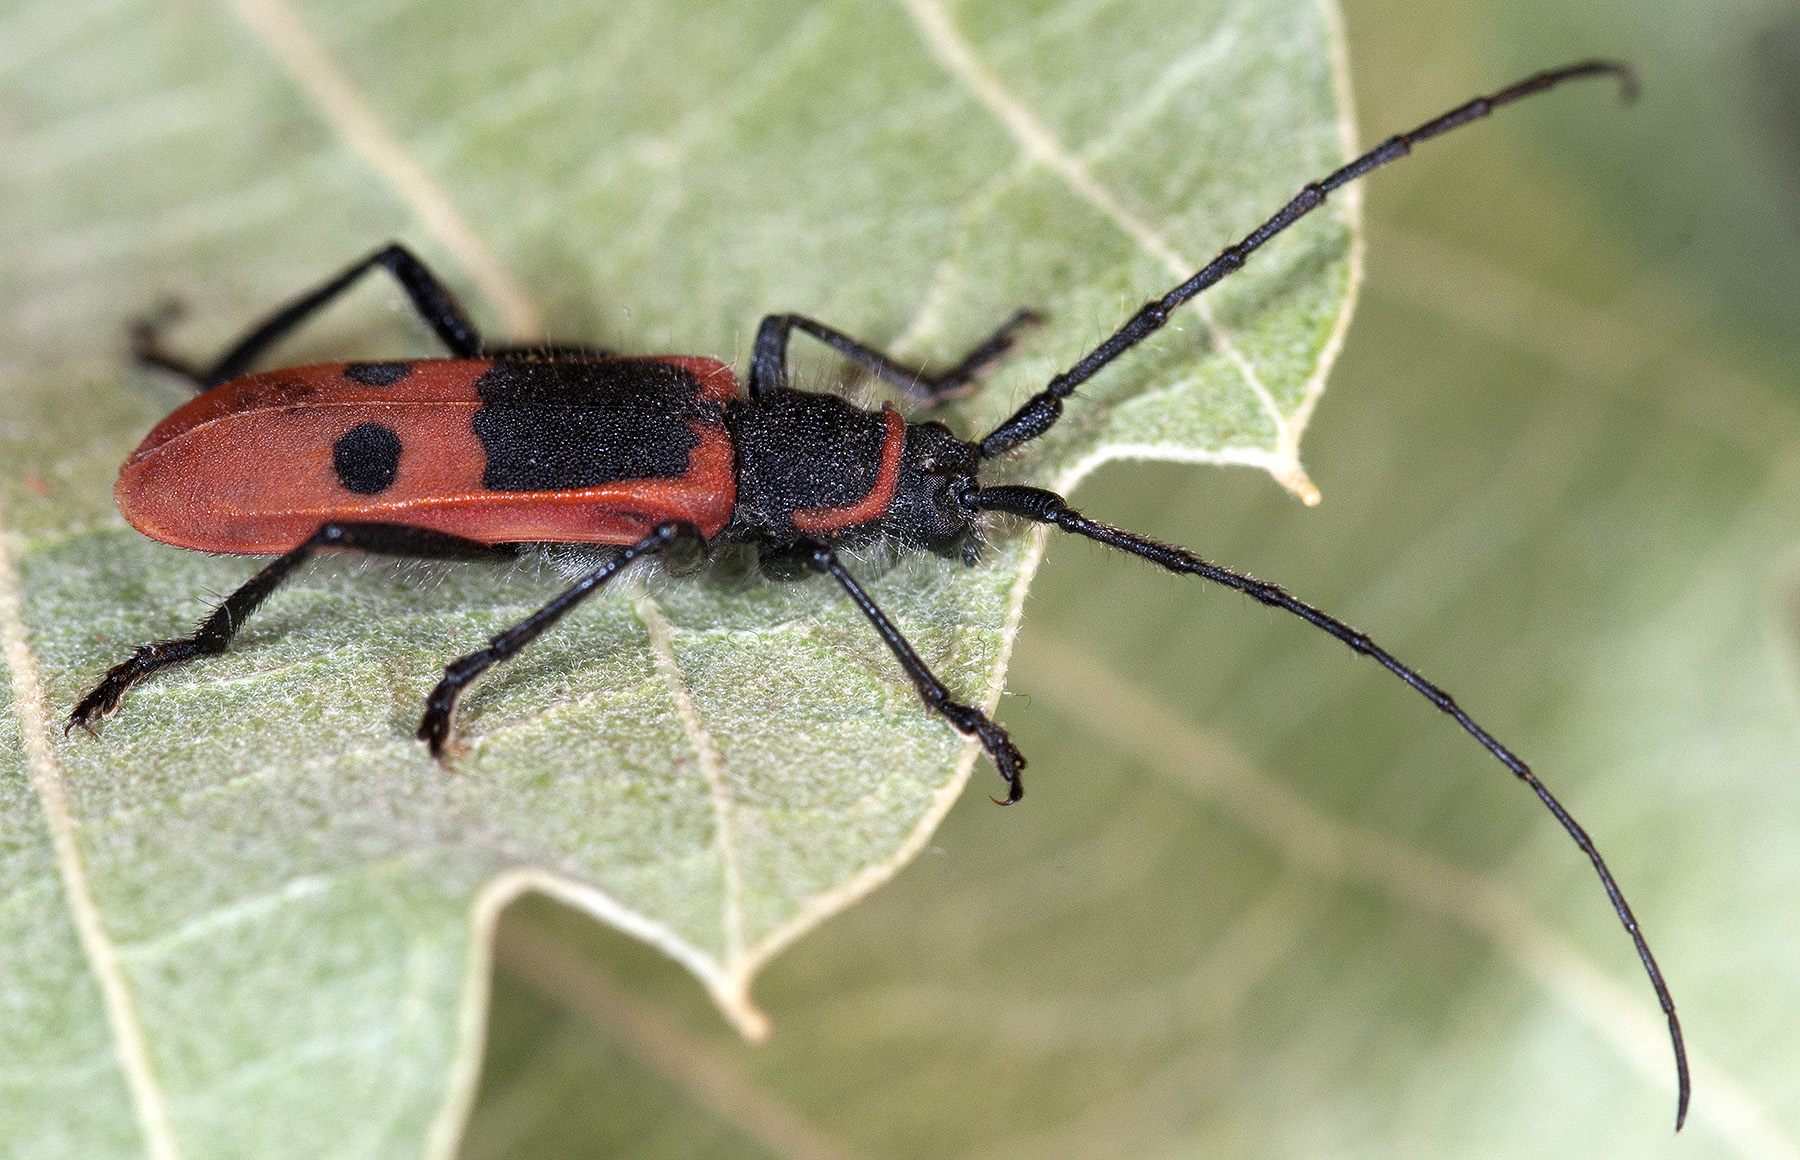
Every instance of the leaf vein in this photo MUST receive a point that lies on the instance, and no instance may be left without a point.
(46, 781)
(1116, 709)
(712, 767)
(683, 1059)
(1039, 143)
(343, 107)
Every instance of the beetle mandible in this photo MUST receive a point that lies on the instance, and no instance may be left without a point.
(500, 447)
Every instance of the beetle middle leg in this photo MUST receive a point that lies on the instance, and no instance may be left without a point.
(215, 632)
(769, 371)
(673, 538)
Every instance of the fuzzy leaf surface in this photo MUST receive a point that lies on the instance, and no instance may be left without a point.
(253, 917)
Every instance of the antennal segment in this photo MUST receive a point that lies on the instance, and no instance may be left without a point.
(1042, 410)
(1049, 508)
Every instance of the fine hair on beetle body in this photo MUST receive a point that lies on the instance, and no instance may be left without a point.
(666, 460)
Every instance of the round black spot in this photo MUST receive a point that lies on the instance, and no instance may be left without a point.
(367, 458)
(377, 374)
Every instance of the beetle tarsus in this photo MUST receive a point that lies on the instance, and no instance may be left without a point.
(148, 349)
(103, 700)
(434, 726)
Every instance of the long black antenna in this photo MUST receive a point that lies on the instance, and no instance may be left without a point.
(1043, 409)
(1049, 508)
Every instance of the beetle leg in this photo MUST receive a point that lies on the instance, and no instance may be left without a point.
(216, 631)
(965, 719)
(430, 297)
(145, 335)
(434, 727)
(768, 361)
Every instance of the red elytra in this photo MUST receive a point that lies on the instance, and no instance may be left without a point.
(246, 467)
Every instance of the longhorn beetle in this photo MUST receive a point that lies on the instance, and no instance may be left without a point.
(499, 447)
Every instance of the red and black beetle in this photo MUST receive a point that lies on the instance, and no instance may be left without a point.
(498, 448)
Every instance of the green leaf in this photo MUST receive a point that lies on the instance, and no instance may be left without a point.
(1268, 903)
(253, 918)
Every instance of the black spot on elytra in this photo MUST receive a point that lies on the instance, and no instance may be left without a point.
(556, 426)
(367, 458)
(377, 374)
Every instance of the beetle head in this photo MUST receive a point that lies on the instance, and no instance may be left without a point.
(929, 512)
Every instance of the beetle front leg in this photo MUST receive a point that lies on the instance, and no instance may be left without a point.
(965, 719)
(769, 369)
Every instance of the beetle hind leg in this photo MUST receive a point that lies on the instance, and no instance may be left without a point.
(148, 348)
(430, 298)
(103, 700)
(215, 632)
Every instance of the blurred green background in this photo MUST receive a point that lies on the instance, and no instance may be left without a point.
(1558, 465)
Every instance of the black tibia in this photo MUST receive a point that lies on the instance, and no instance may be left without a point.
(430, 297)
(1042, 410)
(768, 362)
(681, 544)
(216, 631)
(1050, 508)
(965, 719)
